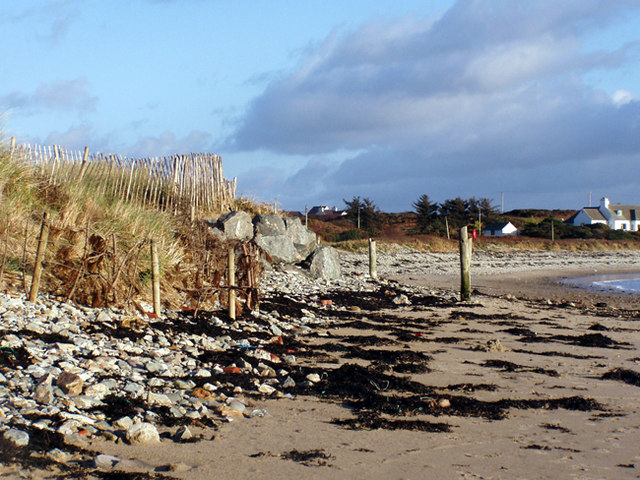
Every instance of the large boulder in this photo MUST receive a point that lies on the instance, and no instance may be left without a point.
(270, 224)
(236, 225)
(325, 263)
(279, 247)
(303, 239)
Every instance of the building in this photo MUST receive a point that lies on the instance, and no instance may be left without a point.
(325, 210)
(500, 229)
(616, 216)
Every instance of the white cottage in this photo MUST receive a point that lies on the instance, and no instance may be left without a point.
(500, 229)
(616, 216)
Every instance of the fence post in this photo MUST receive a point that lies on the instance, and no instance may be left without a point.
(83, 167)
(232, 283)
(155, 278)
(37, 269)
(373, 268)
(13, 146)
(466, 245)
(306, 217)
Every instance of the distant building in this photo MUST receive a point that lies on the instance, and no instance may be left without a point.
(500, 229)
(325, 210)
(616, 216)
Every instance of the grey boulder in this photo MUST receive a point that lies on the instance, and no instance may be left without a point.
(325, 264)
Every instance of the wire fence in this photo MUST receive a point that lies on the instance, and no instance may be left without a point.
(180, 183)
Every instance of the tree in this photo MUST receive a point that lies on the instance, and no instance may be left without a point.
(364, 212)
(427, 212)
(456, 211)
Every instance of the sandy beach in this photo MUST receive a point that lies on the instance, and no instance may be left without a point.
(530, 380)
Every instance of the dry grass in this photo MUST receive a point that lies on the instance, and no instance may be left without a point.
(98, 250)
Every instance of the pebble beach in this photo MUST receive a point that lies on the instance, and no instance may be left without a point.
(337, 379)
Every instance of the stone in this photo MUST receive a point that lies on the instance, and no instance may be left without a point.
(401, 299)
(183, 434)
(123, 423)
(70, 383)
(58, 455)
(44, 390)
(288, 383)
(16, 437)
(142, 433)
(313, 377)
(325, 264)
(236, 225)
(106, 462)
(266, 389)
(269, 224)
(237, 405)
(303, 239)
(280, 249)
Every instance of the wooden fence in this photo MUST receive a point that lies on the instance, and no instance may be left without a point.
(182, 183)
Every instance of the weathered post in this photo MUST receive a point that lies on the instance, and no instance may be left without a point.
(446, 222)
(553, 233)
(373, 268)
(466, 245)
(13, 146)
(306, 217)
(155, 278)
(83, 167)
(37, 269)
(232, 284)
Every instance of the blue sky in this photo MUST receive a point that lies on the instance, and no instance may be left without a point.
(313, 102)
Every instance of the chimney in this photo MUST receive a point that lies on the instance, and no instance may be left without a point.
(604, 202)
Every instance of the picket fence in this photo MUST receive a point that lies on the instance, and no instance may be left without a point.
(189, 183)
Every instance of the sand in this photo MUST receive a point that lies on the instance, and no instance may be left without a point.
(520, 334)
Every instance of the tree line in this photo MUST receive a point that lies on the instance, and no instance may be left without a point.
(432, 217)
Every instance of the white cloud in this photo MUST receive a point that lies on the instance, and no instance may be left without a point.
(622, 97)
(489, 89)
(60, 95)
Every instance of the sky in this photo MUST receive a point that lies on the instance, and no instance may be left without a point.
(314, 102)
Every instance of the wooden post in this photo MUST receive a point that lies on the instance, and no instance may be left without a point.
(232, 283)
(466, 245)
(37, 269)
(446, 222)
(306, 217)
(192, 216)
(83, 168)
(13, 146)
(155, 278)
(373, 268)
(553, 233)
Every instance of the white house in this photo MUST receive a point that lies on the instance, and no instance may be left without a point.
(616, 216)
(500, 229)
(325, 210)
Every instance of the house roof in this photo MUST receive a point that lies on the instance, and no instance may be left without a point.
(496, 225)
(627, 212)
(594, 213)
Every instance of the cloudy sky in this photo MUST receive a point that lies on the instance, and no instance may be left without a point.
(317, 101)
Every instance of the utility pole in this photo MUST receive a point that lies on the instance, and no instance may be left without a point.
(502, 202)
(589, 198)
(358, 217)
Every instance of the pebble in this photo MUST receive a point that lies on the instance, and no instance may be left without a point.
(16, 437)
(142, 433)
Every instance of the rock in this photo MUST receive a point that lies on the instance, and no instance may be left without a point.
(401, 299)
(444, 403)
(58, 455)
(268, 225)
(288, 383)
(106, 462)
(44, 390)
(325, 264)
(313, 377)
(183, 434)
(123, 423)
(303, 239)
(70, 383)
(16, 437)
(238, 406)
(236, 225)
(266, 389)
(280, 248)
(142, 433)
